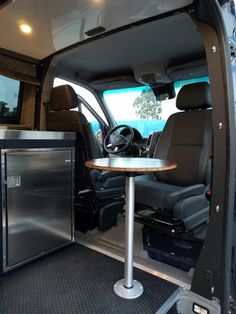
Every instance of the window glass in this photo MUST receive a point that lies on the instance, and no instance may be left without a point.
(136, 107)
(91, 100)
(9, 100)
(91, 119)
(139, 108)
(86, 95)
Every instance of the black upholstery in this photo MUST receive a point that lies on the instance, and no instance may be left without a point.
(194, 96)
(187, 140)
(166, 195)
(60, 117)
(102, 184)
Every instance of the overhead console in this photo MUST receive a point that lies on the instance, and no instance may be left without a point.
(160, 74)
(151, 74)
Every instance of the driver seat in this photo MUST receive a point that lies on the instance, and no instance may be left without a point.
(92, 187)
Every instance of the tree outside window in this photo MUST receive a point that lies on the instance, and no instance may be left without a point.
(147, 107)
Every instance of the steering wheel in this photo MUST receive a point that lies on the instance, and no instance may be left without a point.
(115, 143)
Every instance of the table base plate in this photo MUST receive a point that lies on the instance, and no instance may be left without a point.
(128, 293)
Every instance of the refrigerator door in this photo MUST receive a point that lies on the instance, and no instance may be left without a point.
(38, 202)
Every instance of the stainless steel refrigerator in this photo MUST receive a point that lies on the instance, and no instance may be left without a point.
(37, 209)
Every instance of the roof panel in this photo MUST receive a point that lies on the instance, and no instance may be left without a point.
(59, 24)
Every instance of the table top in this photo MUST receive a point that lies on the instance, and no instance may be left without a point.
(131, 164)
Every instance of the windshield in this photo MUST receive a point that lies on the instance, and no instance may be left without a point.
(139, 108)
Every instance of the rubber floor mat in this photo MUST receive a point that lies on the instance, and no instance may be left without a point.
(77, 280)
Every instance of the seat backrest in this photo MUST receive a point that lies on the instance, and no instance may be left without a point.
(60, 117)
(187, 138)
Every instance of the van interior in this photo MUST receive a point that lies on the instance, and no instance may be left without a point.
(82, 80)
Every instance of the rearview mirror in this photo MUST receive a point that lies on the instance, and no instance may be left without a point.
(164, 92)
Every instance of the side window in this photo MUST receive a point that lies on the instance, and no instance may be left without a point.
(9, 100)
(95, 125)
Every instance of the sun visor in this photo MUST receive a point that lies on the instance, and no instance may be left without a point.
(188, 71)
(124, 81)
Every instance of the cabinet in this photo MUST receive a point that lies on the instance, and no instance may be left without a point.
(37, 215)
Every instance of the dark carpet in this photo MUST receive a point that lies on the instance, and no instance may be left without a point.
(77, 280)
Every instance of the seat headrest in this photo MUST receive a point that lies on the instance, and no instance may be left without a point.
(63, 98)
(194, 96)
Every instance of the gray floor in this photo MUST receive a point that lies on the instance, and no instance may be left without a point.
(111, 243)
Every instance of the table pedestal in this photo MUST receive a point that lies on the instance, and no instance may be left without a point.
(128, 288)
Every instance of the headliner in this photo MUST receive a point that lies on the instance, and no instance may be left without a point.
(154, 46)
(59, 24)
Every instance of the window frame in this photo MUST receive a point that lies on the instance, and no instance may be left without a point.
(92, 111)
(102, 124)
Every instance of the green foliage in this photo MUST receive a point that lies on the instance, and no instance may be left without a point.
(5, 111)
(147, 107)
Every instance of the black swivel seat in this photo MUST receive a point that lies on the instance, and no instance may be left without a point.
(178, 197)
(98, 194)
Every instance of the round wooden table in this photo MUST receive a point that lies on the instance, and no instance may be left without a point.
(129, 288)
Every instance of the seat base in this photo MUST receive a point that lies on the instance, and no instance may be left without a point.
(189, 228)
(179, 253)
(162, 221)
(91, 212)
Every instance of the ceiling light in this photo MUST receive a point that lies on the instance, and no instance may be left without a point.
(25, 28)
(97, 1)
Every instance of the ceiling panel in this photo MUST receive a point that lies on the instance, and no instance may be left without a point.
(57, 24)
(160, 43)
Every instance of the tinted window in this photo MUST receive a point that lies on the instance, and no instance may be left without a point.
(9, 100)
